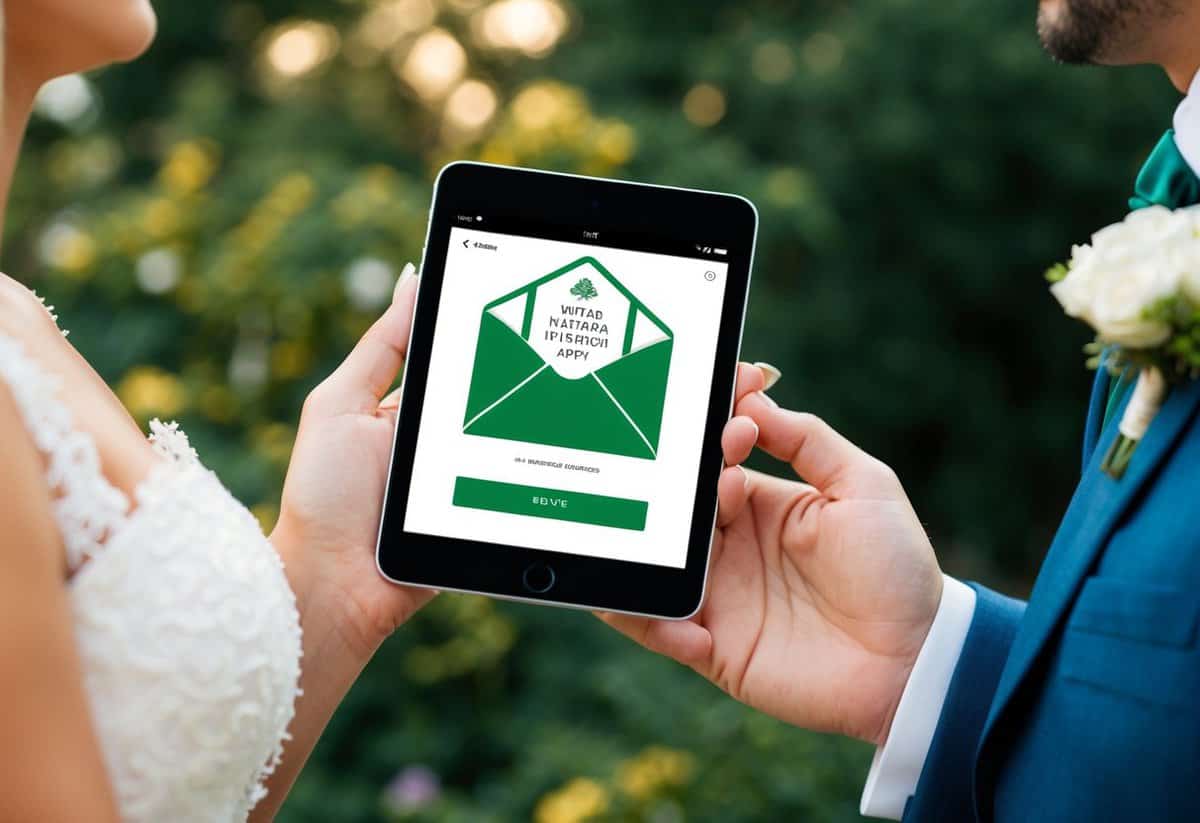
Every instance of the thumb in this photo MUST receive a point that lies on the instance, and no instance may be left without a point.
(358, 384)
(821, 456)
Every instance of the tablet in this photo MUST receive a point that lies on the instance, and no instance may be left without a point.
(571, 368)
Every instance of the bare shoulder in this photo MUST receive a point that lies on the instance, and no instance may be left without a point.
(23, 315)
(125, 456)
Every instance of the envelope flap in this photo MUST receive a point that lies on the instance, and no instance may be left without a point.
(512, 312)
(643, 330)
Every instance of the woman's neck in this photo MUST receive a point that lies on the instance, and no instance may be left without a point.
(19, 93)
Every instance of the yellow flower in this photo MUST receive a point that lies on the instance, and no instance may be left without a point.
(67, 247)
(189, 167)
(788, 186)
(274, 441)
(653, 770)
(496, 151)
(579, 800)
(161, 218)
(290, 358)
(542, 104)
(218, 403)
(291, 194)
(77, 255)
(614, 143)
(147, 391)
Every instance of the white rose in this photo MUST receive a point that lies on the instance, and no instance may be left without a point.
(1121, 299)
(1188, 259)
(1129, 267)
(1077, 291)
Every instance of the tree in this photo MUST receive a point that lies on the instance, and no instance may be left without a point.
(584, 290)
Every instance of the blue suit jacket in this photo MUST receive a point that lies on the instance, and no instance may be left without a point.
(1084, 705)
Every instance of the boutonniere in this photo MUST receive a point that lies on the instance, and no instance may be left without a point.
(1137, 284)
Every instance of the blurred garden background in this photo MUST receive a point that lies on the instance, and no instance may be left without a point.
(219, 221)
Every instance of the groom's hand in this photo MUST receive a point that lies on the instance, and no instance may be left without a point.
(820, 593)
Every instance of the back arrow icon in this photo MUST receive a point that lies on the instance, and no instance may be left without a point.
(466, 244)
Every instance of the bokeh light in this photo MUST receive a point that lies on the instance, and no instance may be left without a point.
(384, 25)
(67, 100)
(704, 104)
(434, 64)
(823, 52)
(470, 107)
(63, 245)
(148, 391)
(158, 271)
(368, 282)
(529, 26)
(773, 62)
(298, 48)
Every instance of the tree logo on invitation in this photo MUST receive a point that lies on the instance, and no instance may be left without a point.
(584, 290)
(562, 363)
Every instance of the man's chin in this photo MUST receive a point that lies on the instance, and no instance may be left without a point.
(1062, 39)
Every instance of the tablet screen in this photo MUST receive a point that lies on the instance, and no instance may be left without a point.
(567, 393)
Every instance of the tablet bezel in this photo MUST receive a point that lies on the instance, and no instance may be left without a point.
(611, 207)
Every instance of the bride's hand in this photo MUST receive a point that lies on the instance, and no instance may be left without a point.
(329, 515)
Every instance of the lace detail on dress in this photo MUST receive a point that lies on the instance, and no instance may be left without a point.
(184, 620)
(87, 507)
(169, 441)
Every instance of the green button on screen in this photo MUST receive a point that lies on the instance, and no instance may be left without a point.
(555, 504)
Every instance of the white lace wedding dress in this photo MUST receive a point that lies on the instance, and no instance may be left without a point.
(185, 623)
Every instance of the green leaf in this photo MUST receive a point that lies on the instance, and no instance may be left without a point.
(1057, 272)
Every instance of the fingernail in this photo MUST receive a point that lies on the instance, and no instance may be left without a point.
(757, 430)
(767, 399)
(406, 273)
(771, 374)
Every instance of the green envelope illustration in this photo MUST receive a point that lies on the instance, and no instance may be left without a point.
(572, 359)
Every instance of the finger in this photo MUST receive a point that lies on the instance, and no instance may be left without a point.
(750, 378)
(733, 489)
(816, 452)
(738, 439)
(684, 641)
(371, 368)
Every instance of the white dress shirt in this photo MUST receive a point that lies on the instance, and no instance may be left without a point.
(898, 762)
(1187, 125)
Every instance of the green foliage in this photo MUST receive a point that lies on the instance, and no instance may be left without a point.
(1057, 272)
(216, 234)
(1178, 358)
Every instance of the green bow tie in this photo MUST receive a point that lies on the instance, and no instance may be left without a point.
(1165, 180)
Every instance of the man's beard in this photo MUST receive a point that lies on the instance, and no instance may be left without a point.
(1094, 31)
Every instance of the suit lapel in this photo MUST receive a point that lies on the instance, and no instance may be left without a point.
(1094, 512)
(1095, 416)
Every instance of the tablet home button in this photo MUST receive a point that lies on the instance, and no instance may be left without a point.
(538, 578)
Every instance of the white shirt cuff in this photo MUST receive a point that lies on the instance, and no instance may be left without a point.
(898, 762)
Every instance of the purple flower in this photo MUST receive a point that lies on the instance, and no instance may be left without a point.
(412, 789)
